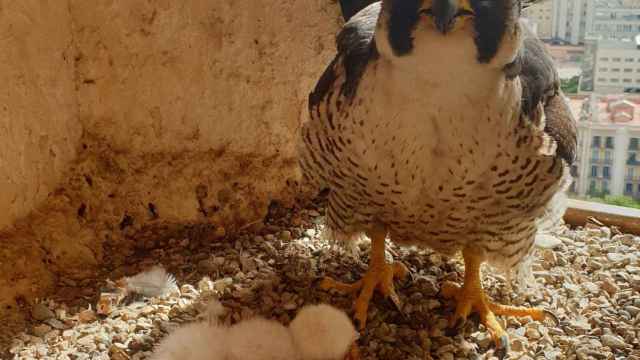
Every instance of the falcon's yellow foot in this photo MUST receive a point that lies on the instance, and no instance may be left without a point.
(472, 298)
(380, 276)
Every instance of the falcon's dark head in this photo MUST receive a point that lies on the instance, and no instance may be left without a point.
(409, 25)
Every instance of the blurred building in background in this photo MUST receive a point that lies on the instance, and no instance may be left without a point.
(608, 145)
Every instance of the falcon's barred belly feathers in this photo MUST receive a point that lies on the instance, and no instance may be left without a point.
(440, 124)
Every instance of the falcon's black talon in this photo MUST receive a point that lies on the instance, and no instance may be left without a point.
(397, 306)
(503, 349)
(356, 323)
(501, 353)
(475, 317)
(504, 343)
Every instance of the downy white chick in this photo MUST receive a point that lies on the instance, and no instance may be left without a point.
(322, 332)
(196, 341)
(319, 332)
(260, 339)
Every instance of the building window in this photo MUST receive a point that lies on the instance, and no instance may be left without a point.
(602, 80)
(628, 188)
(616, 59)
(615, 80)
(630, 172)
(609, 142)
(603, 69)
(604, 59)
(605, 187)
(594, 171)
(632, 160)
(592, 186)
(629, 60)
(626, 81)
(633, 144)
(628, 70)
(595, 142)
(605, 172)
(615, 70)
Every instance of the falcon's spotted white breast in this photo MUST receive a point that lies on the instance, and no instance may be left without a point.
(440, 124)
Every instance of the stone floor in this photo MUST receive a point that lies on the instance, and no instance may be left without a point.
(589, 277)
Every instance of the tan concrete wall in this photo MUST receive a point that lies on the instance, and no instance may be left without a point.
(186, 79)
(39, 132)
(188, 113)
(39, 129)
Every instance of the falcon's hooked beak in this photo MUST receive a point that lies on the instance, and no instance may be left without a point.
(446, 12)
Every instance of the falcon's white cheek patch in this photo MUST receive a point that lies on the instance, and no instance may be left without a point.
(546, 145)
(509, 46)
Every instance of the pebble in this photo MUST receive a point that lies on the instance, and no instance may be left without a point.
(546, 241)
(41, 330)
(613, 341)
(69, 334)
(533, 333)
(87, 316)
(41, 312)
(273, 276)
(221, 285)
(207, 266)
(610, 287)
(285, 235)
(56, 324)
(617, 259)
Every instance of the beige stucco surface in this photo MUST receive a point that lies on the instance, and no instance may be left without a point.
(121, 120)
(39, 128)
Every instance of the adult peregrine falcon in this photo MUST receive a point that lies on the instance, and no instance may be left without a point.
(440, 123)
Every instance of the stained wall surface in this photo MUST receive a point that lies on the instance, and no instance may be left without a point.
(126, 120)
(39, 128)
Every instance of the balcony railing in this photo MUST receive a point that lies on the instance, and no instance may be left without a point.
(600, 177)
(633, 162)
(632, 178)
(602, 161)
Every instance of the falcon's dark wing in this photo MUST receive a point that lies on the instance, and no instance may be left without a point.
(356, 48)
(541, 85)
(336, 87)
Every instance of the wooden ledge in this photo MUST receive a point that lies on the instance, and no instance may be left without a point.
(625, 219)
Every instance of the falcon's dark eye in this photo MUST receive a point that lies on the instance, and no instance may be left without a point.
(465, 12)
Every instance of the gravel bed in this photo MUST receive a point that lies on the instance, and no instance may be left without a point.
(589, 277)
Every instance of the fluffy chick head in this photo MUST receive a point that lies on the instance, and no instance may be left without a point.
(260, 339)
(322, 332)
(196, 341)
